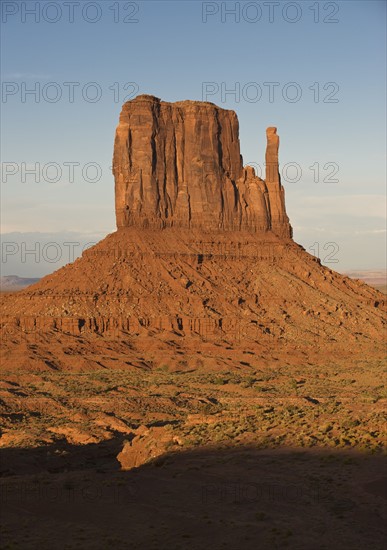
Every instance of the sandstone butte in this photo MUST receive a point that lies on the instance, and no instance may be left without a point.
(179, 165)
(203, 253)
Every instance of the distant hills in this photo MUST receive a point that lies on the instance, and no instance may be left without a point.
(12, 283)
(373, 277)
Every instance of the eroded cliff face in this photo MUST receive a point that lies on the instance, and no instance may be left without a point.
(179, 165)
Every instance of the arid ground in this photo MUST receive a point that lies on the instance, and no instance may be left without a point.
(233, 451)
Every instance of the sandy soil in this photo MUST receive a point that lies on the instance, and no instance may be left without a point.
(260, 456)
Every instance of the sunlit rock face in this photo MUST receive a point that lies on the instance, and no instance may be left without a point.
(179, 165)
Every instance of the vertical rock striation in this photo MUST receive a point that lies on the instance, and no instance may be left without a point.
(179, 164)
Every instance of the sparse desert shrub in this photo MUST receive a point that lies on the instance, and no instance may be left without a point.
(248, 382)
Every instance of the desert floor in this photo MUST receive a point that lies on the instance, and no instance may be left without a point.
(261, 455)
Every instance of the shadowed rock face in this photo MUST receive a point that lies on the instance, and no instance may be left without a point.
(179, 164)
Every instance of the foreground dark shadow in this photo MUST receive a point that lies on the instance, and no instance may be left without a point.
(66, 496)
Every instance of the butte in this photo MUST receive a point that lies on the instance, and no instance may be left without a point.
(203, 255)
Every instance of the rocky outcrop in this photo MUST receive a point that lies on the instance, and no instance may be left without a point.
(147, 445)
(179, 165)
(278, 218)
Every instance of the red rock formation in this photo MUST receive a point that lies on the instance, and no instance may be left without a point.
(179, 164)
(178, 167)
(278, 218)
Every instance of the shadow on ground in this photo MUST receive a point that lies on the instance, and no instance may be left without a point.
(63, 496)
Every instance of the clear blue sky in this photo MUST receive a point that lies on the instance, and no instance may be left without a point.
(172, 49)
